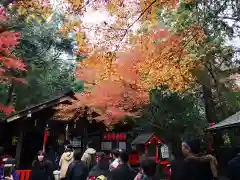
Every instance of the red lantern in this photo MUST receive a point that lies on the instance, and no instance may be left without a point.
(124, 136)
(117, 136)
(120, 136)
(113, 136)
(108, 135)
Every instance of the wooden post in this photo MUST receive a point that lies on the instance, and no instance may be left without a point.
(66, 132)
(85, 128)
(19, 148)
(85, 136)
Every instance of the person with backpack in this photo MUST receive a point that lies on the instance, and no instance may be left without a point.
(66, 159)
(77, 170)
(89, 156)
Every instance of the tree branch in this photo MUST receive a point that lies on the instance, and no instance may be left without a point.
(131, 25)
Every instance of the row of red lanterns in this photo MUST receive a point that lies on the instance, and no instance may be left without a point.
(114, 136)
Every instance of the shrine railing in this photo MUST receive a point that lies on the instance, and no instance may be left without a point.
(24, 174)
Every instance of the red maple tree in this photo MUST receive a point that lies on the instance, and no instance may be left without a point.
(9, 63)
(118, 95)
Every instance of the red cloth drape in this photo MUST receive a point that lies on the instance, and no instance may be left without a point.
(45, 137)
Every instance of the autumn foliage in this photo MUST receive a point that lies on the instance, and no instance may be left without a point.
(9, 63)
(113, 88)
(122, 67)
(117, 82)
(109, 34)
(31, 10)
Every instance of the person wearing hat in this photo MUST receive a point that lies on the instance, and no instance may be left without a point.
(195, 166)
(65, 160)
(89, 156)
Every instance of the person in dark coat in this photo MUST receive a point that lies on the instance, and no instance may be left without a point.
(42, 169)
(53, 156)
(77, 170)
(176, 168)
(123, 171)
(234, 168)
(101, 168)
(148, 170)
(195, 166)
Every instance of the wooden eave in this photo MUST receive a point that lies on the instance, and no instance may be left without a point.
(68, 96)
(232, 121)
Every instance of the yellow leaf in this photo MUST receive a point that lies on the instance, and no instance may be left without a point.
(111, 8)
(22, 11)
(80, 39)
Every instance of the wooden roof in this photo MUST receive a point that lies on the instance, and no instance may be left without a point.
(67, 96)
(232, 121)
(76, 109)
(142, 139)
(72, 111)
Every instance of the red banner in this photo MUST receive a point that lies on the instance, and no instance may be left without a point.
(45, 137)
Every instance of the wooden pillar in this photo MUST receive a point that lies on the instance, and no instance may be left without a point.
(66, 132)
(84, 134)
(19, 148)
(85, 128)
(85, 137)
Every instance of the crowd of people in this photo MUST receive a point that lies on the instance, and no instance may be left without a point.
(92, 165)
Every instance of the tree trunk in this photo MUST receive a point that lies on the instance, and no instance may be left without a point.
(209, 104)
(10, 93)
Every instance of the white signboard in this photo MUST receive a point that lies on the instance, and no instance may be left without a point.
(164, 151)
(76, 142)
(122, 145)
(106, 145)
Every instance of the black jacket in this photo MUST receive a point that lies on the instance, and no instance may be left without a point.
(97, 170)
(234, 168)
(77, 170)
(176, 169)
(192, 169)
(100, 169)
(42, 170)
(122, 172)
